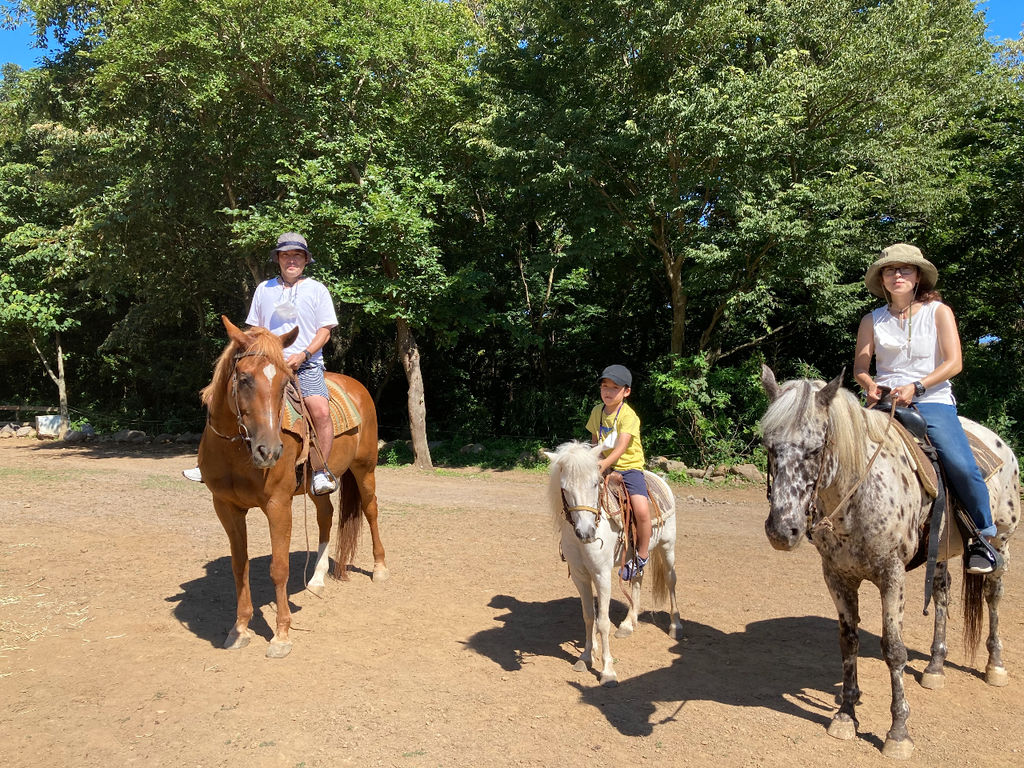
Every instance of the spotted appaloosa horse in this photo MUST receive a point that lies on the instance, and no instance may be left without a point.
(247, 461)
(592, 542)
(819, 441)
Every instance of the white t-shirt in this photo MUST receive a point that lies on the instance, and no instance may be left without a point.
(279, 308)
(907, 352)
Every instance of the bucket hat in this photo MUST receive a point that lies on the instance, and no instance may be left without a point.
(291, 241)
(619, 374)
(901, 253)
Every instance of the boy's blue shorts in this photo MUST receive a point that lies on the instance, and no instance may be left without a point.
(635, 482)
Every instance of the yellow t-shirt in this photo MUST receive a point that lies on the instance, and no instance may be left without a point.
(601, 424)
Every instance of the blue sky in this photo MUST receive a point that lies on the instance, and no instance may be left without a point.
(1005, 18)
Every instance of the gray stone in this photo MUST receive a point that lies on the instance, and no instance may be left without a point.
(25, 432)
(74, 436)
(473, 448)
(748, 472)
(7, 431)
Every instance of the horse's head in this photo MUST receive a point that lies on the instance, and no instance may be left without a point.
(575, 487)
(794, 433)
(252, 385)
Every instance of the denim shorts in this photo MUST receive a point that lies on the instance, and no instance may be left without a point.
(311, 380)
(635, 482)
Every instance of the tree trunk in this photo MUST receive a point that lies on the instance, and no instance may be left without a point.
(62, 393)
(58, 379)
(410, 356)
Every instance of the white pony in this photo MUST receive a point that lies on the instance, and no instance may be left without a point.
(592, 544)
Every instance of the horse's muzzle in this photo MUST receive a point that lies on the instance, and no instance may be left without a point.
(265, 455)
(781, 534)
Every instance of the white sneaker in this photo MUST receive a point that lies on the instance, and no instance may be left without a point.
(193, 474)
(323, 483)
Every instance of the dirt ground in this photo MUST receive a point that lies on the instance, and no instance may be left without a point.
(116, 593)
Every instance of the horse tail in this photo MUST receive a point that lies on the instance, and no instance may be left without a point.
(973, 598)
(659, 577)
(349, 520)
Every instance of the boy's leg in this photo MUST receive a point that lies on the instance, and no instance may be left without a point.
(642, 515)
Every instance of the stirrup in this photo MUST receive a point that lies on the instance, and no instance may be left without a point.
(323, 483)
(634, 568)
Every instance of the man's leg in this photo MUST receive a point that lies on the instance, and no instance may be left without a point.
(320, 413)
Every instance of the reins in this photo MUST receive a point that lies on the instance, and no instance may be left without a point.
(829, 520)
(243, 431)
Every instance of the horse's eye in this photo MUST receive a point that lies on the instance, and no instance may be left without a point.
(245, 380)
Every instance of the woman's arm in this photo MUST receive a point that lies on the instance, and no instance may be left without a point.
(862, 359)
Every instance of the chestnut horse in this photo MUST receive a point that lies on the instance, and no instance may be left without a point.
(247, 461)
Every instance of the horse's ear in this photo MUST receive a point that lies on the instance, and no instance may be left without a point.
(287, 339)
(235, 333)
(551, 456)
(769, 383)
(824, 395)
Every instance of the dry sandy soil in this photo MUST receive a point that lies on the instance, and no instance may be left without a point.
(116, 593)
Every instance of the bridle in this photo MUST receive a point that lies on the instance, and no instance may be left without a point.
(243, 431)
(814, 517)
(602, 503)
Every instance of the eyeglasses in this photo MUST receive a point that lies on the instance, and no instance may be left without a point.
(890, 271)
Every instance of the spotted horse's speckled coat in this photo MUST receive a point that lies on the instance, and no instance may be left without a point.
(865, 518)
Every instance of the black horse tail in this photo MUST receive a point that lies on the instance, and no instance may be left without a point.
(973, 598)
(349, 520)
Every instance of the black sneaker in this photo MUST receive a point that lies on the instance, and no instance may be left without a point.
(979, 559)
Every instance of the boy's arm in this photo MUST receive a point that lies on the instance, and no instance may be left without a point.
(621, 444)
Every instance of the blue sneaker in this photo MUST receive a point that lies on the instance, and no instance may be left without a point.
(633, 569)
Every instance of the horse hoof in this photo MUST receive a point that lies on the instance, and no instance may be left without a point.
(842, 728)
(278, 650)
(609, 681)
(236, 640)
(898, 750)
(580, 666)
(380, 574)
(997, 676)
(316, 589)
(933, 681)
(675, 631)
(623, 631)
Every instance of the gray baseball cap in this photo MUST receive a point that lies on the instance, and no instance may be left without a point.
(291, 241)
(619, 374)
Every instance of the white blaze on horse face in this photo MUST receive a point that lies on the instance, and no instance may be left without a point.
(270, 371)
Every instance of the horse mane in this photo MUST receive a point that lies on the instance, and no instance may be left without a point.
(261, 342)
(575, 462)
(850, 425)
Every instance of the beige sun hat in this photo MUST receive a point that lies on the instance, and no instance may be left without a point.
(901, 253)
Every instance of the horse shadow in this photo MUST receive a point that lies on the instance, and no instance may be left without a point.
(779, 663)
(206, 606)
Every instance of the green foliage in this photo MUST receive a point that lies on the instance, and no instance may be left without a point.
(714, 411)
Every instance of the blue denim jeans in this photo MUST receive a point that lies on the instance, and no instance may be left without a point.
(950, 441)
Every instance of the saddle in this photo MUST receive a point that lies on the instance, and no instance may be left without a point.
(295, 420)
(618, 498)
(948, 526)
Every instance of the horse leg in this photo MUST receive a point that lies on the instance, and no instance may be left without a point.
(603, 625)
(324, 517)
(846, 599)
(632, 620)
(898, 743)
(279, 515)
(667, 546)
(586, 590)
(995, 672)
(933, 677)
(232, 518)
(367, 484)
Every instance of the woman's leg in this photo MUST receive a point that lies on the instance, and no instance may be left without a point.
(950, 441)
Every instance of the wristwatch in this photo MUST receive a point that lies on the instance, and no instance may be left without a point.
(309, 354)
(918, 389)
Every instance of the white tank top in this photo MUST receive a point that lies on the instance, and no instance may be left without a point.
(907, 354)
